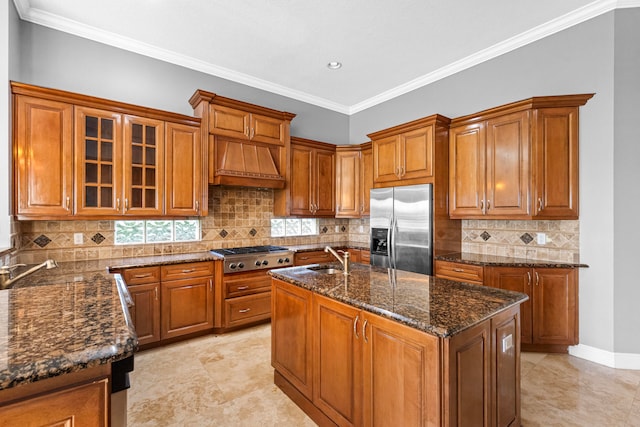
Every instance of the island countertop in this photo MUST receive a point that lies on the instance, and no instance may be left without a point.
(60, 321)
(436, 306)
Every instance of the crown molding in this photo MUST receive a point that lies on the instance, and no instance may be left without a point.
(592, 10)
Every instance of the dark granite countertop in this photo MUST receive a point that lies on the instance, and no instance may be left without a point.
(116, 264)
(439, 307)
(320, 246)
(60, 321)
(503, 261)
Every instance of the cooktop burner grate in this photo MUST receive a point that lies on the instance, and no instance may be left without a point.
(249, 250)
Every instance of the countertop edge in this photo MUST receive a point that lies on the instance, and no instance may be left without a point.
(498, 261)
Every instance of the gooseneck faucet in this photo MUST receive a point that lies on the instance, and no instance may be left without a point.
(5, 272)
(344, 261)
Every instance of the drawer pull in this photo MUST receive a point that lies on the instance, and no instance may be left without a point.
(142, 276)
(242, 288)
(244, 310)
(459, 270)
(190, 270)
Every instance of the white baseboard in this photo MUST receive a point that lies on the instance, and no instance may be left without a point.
(606, 358)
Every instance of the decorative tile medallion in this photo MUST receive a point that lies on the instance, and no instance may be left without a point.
(42, 241)
(485, 236)
(526, 238)
(223, 233)
(253, 232)
(325, 229)
(98, 238)
(343, 228)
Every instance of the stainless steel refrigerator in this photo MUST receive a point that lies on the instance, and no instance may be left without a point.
(401, 228)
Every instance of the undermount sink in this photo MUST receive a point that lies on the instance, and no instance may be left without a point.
(325, 270)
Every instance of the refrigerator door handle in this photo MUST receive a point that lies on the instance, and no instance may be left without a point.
(389, 244)
(394, 226)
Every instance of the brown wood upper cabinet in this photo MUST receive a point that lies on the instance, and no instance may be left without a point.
(248, 144)
(81, 156)
(517, 161)
(354, 180)
(404, 154)
(311, 190)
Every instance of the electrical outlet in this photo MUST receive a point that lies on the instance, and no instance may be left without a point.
(77, 238)
(542, 238)
(507, 343)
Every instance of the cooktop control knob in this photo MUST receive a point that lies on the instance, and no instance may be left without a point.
(241, 265)
(232, 266)
(265, 262)
(258, 263)
(280, 260)
(287, 259)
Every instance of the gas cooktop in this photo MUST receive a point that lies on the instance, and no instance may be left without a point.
(254, 258)
(249, 250)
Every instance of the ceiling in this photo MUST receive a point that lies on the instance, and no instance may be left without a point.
(387, 48)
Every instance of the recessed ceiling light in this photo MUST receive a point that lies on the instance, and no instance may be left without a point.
(334, 65)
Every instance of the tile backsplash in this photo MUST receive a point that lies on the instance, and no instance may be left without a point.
(519, 239)
(238, 216)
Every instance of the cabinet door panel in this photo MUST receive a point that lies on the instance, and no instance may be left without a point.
(229, 122)
(337, 368)
(556, 163)
(324, 183)
(506, 377)
(145, 312)
(183, 171)
(44, 165)
(291, 336)
(507, 168)
(267, 129)
(348, 189)
(143, 166)
(187, 306)
(98, 162)
(466, 170)
(301, 182)
(416, 149)
(401, 372)
(386, 159)
(519, 280)
(366, 181)
(555, 308)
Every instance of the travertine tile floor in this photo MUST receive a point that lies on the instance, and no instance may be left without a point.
(227, 380)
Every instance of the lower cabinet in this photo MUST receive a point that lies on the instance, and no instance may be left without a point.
(349, 367)
(550, 316)
(312, 257)
(247, 298)
(171, 301)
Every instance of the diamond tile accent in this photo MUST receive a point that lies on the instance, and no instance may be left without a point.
(253, 232)
(42, 240)
(343, 228)
(98, 238)
(224, 233)
(526, 238)
(485, 236)
(325, 229)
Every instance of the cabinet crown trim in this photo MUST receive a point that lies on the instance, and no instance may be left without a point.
(311, 143)
(77, 99)
(415, 124)
(210, 97)
(526, 104)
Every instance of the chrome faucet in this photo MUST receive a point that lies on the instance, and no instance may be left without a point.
(344, 261)
(5, 272)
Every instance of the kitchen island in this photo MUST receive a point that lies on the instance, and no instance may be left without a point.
(61, 332)
(388, 347)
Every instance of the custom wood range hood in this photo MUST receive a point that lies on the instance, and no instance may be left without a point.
(248, 144)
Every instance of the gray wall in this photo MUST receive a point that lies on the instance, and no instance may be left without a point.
(626, 179)
(62, 61)
(576, 60)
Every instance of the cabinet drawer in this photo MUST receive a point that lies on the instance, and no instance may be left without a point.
(240, 284)
(460, 272)
(247, 309)
(142, 275)
(365, 257)
(314, 257)
(190, 269)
